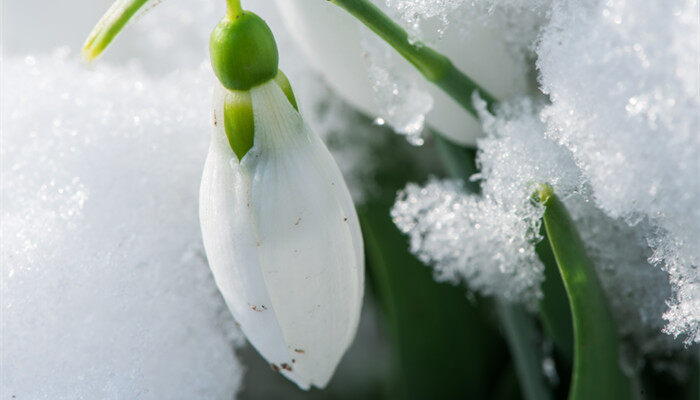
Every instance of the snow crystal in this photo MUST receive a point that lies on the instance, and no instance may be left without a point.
(414, 12)
(516, 157)
(622, 77)
(517, 21)
(636, 290)
(402, 103)
(105, 288)
(479, 241)
(488, 240)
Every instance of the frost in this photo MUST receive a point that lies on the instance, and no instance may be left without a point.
(430, 20)
(402, 103)
(459, 233)
(488, 240)
(414, 12)
(622, 77)
(619, 136)
(636, 290)
(105, 289)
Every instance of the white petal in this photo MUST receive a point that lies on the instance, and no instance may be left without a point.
(311, 246)
(331, 41)
(280, 230)
(232, 247)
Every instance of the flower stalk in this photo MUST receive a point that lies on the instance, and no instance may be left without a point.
(434, 66)
(109, 26)
(233, 8)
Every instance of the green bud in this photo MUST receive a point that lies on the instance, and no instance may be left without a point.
(243, 51)
(238, 118)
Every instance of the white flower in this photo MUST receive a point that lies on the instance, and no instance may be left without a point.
(283, 240)
(332, 43)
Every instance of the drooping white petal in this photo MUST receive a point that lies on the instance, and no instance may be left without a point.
(323, 29)
(231, 244)
(280, 230)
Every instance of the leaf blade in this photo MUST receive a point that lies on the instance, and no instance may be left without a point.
(597, 373)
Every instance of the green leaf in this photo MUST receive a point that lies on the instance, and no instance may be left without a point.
(554, 306)
(520, 331)
(459, 161)
(521, 335)
(597, 373)
(442, 344)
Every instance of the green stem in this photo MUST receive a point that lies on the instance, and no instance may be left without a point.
(107, 28)
(597, 373)
(436, 68)
(233, 8)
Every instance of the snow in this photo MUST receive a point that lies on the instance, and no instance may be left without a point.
(460, 234)
(100, 171)
(488, 240)
(636, 290)
(402, 104)
(105, 288)
(617, 138)
(623, 81)
(431, 21)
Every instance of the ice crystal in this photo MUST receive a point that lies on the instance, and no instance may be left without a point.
(458, 233)
(402, 103)
(636, 290)
(622, 77)
(488, 240)
(518, 21)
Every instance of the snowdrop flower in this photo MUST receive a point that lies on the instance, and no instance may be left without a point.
(322, 29)
(280, 230)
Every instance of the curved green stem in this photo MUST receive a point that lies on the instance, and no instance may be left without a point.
(436, 68)
(107, 28)
(597, 373)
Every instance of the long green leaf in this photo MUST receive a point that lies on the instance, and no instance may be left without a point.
(521, 335)
(554, 306)
(519, 328)
(597, 374)
(444, 347)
